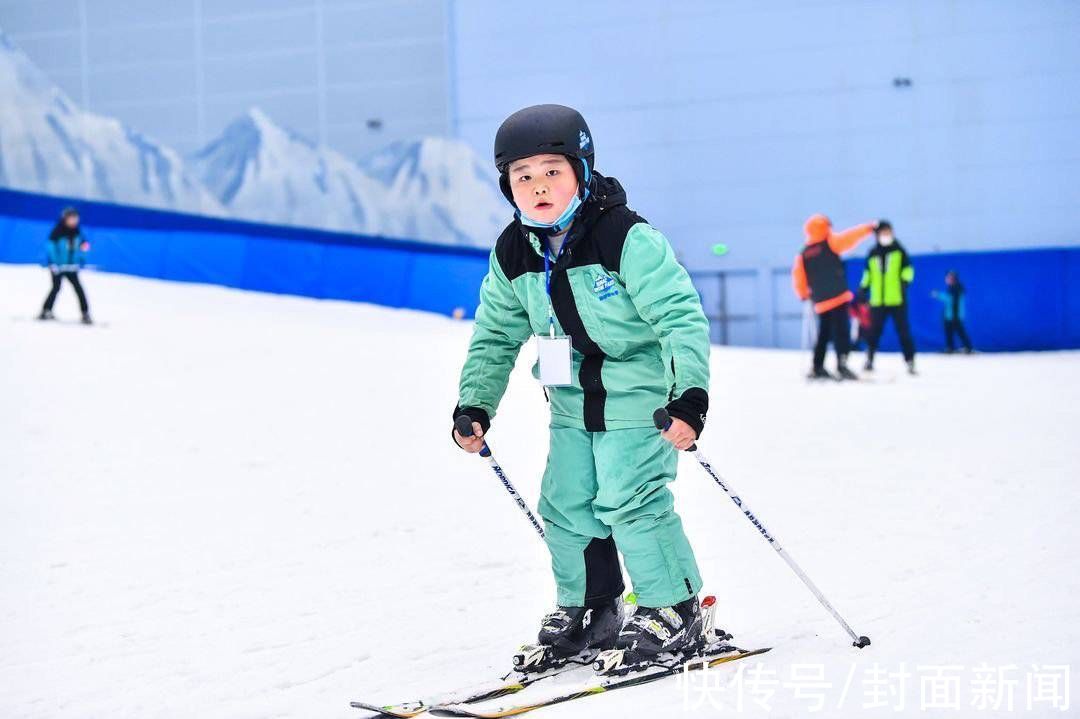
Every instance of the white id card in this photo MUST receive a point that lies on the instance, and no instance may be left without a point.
(553, 355)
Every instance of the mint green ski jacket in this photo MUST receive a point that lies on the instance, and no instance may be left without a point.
(640, 338)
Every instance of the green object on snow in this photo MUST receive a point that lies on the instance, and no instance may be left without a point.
(719, 249)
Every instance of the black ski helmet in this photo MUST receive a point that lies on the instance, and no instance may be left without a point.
(542, 129)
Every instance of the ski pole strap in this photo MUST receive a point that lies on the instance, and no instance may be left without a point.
(662, 420)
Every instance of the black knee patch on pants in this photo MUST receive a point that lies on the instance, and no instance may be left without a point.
(603, 575)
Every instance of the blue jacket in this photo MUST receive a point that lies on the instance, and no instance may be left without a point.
(952, 300)
(66, 253)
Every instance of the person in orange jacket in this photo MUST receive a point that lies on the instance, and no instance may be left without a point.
(818, 275)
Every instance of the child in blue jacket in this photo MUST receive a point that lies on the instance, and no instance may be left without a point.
(953, 312)
(67, 250)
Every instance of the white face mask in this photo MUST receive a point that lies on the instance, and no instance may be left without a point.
(885, 239)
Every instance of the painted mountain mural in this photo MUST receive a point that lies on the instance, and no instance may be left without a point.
(431, 189)
(452, 193)
(261, 171)
(49, 145)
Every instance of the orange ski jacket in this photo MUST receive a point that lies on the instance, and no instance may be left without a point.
(818, 230)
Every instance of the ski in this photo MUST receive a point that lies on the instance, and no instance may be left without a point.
(509, 684)
(531, 657)
(600, 684)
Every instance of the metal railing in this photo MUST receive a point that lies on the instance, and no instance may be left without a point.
(718, 312)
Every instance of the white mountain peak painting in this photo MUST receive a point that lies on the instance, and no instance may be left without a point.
(47, 144)
(263, 172)
(431, 189)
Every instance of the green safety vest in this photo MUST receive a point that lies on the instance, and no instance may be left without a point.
(888, 273)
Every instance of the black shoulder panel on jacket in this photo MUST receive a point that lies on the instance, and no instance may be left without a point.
(606, 239)
(514, 253)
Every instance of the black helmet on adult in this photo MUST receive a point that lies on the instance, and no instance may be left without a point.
(544, 129)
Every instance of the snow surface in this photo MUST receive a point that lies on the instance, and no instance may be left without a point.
(230, 504)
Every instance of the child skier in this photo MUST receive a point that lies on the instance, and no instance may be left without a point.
(66, 256)
(887, 275)
(860, 318)
(818, 274)
(620, 332)
(953, 312)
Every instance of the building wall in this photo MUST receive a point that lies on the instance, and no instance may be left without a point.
(180, 70)
(728, 121)
(733, 121)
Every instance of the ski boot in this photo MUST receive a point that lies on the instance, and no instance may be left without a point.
(86, 320)
(869, 366)
(819, 373)
(46, 315)
(571, 634)
(844, 373)
(911, 368)
(657, 635)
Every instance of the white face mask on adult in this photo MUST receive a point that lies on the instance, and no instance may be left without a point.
(885, 240)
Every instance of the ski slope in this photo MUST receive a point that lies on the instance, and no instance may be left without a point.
(231, 504)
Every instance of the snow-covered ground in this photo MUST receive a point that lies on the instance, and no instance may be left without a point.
(229, 504)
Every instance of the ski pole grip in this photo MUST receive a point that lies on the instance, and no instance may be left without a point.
(463, 425)
(662, 420)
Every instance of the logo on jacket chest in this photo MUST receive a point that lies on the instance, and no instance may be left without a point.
(604, 287)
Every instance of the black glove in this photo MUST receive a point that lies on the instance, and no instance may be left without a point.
(475, 414)
(691, 408)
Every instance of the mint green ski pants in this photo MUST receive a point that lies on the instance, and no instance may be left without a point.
(604, 486)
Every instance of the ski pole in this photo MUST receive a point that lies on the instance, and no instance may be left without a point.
(662, 420)
(463, 425)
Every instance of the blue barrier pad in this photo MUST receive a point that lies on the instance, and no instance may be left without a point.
(205, 257)
(1016, 300)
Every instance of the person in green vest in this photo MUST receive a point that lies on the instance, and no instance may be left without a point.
(886, 278)
(620, 332)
